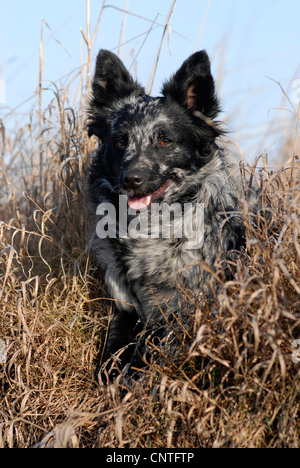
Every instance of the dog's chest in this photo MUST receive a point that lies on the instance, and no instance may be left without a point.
(160, 263)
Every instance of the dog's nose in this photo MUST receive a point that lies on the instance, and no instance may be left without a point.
(132, 179)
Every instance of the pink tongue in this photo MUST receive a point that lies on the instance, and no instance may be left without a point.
(139, 203)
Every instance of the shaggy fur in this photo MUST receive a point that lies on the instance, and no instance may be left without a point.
(164, 147)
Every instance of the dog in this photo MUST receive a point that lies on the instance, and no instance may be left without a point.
(157, 151)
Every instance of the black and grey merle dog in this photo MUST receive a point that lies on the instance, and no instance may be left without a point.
(158, 150)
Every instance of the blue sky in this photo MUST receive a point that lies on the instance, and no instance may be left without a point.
(249, 42)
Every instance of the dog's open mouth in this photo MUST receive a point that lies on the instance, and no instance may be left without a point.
(140, 203)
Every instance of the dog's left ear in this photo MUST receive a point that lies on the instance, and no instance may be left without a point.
(193, 86)
(112, 83)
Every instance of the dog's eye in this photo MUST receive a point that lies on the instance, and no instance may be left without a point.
(120, 143)
(165, 142)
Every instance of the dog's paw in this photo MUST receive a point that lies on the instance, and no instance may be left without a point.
(115, 365)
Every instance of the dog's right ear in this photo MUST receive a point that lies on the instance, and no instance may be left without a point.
(111, 83)
(193, 86)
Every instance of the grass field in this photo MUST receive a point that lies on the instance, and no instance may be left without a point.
(234, 379)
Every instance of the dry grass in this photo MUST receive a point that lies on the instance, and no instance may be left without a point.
(230, 381)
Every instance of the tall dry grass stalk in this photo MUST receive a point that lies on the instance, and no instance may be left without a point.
(230, 381)
(40, 100)
(166, 28)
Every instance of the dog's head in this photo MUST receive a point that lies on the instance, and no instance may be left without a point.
(148, 143)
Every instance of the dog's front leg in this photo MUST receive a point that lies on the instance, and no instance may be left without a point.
(119, 347)
(121, 332)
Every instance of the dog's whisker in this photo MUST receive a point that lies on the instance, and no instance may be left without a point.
(116, 189)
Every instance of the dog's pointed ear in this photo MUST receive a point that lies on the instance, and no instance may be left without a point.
(111, 83)
(193, 86)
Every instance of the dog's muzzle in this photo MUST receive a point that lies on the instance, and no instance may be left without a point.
(132, 180)
(140, 203)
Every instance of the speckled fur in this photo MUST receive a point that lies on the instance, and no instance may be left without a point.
(142, 273)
